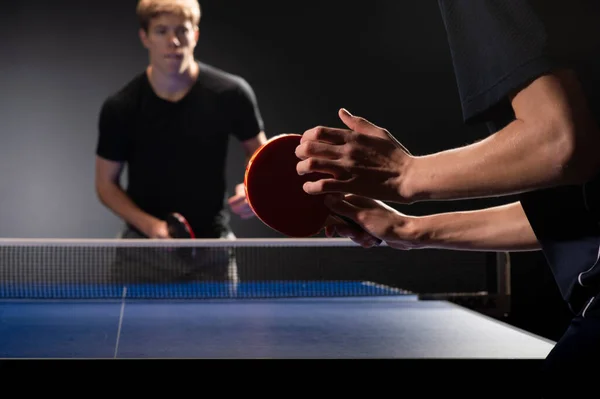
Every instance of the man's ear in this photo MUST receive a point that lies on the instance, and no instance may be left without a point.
(143, 37)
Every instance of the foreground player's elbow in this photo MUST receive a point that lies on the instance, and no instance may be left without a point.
(575, 150)
(100, 190)
(563, 129)
(103, 190)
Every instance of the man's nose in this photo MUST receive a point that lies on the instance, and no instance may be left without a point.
(174, 40)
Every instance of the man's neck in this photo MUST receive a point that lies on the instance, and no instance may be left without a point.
(169, 87)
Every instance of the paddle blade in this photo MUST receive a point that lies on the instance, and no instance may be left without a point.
(274, 190)
(178, 226)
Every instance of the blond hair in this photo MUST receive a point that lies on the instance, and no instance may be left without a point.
(148, 9)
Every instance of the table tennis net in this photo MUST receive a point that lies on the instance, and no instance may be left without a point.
(197, 269)
(114, 268)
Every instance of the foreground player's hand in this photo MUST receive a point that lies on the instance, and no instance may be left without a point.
(377, 219)
(238, 203)
(365, 160)
(157, 229)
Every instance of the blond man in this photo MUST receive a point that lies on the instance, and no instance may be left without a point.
(170, 125)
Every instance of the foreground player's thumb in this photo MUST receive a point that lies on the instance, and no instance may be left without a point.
(361, 125)
(358, 124)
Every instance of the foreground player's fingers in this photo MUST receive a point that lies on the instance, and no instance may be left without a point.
(325, 166)
(325, 134)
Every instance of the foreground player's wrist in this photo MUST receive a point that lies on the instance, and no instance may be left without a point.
(407, 185)
(412, 232)
(147, 225)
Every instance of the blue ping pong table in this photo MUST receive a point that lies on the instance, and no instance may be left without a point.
(381, 324)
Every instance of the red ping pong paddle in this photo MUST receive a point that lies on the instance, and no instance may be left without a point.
(179, 228)
(275, 194)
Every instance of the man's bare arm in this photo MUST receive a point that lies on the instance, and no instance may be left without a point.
(500, 228)
(553, 141)
(112, 196)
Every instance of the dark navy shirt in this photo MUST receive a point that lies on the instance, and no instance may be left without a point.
(498, 47)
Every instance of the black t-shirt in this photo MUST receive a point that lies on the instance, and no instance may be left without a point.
(498, 47)
(176, 152)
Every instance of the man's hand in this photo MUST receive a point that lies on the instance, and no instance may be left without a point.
(157, 228)
(239, 204)
(365, 160)
(378, 220)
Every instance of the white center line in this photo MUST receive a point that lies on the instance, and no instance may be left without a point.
(120, 320)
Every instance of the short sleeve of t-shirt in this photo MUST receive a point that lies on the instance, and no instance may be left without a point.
(499, 46)
(246, 119)
(112, 131)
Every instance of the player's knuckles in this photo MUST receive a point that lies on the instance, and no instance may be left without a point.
(308, 149)
(353, 137)
(364, 217)
(314, 165)
(307, 135)
(312, 148)
(315, 134)
(346, 150)
(307, 165)
(352, 151)
(317, 164)
(374, 224)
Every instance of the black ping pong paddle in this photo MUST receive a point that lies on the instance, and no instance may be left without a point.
(180, 228)
(275, 194)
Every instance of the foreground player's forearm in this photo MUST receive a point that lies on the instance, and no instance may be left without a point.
(501, 228)
(553, 141)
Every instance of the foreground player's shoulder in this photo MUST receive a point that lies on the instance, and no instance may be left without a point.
(125, 97)
(117, 109)
(222, 82)
(498, 48)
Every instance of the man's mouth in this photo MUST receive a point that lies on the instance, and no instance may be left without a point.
(174, 56)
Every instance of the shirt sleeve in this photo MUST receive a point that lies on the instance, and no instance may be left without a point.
(112, 143)
(499, 46)
(246, 120)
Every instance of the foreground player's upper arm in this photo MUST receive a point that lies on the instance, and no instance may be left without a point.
(555, 105)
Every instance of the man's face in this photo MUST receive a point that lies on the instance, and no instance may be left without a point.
(170, 41)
